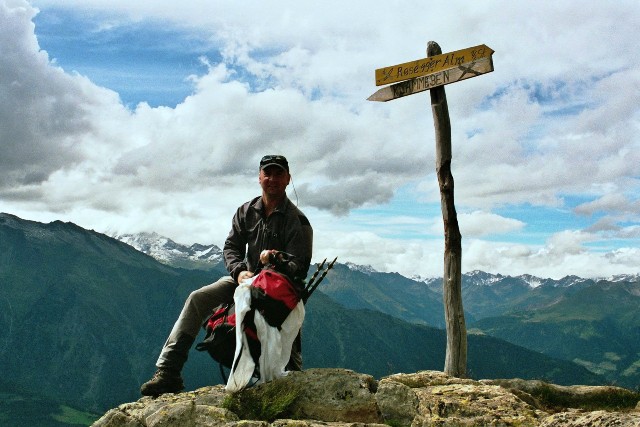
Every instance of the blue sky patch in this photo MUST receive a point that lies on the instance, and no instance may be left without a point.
(143, 61)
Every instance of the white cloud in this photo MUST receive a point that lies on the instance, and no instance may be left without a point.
(45, 113)
(558, 118)
(480, 223)
(568, 242)
(562, 256)
(613, 202)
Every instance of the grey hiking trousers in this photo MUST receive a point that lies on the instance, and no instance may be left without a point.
(197, 308)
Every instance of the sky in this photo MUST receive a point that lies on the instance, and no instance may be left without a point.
(124, 117)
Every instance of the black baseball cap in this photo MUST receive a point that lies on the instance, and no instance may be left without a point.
(274, 160)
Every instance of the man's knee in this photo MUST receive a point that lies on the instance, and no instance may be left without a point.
(215, 293)
(196, 296)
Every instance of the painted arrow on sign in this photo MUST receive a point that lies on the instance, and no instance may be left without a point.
(429, 81)
(430, 65)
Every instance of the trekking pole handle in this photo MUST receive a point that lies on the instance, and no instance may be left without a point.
(313, 278)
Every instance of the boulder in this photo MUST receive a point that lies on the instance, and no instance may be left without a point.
(341, 397)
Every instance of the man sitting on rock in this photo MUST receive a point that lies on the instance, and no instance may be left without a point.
(268, 222)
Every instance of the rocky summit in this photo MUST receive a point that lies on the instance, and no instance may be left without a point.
(340, 397)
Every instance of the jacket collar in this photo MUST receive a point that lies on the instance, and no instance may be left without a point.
(259, 206)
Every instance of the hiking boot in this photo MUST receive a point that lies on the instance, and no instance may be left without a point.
(163, 381)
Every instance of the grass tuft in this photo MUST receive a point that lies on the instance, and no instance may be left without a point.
(266, 402)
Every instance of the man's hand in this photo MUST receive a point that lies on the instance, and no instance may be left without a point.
(264, 256)
(244, 275)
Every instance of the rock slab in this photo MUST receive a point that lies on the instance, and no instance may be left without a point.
(340, 397)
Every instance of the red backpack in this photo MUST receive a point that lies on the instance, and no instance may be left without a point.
(273, 295)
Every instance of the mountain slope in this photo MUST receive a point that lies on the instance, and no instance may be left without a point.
(389, 293)
(378, 344)
(19, 409)
(83, 317)
(597, 326)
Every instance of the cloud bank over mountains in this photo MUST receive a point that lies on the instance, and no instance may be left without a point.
(545, 148)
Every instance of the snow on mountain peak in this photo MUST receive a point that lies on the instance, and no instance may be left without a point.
(623, 278)
(532, 281)
(483, 278)
(366, 269)
(167, 251)
(424, 279)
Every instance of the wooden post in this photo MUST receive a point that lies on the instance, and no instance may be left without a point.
(456, 358)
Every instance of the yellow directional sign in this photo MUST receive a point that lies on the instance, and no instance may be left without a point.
(429, 81)
(430, 65)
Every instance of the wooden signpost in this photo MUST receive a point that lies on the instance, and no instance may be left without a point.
(432, 73)
(428, 73)
(431, 64)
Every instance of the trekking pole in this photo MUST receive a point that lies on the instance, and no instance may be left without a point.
(313, 286)
(313, 278)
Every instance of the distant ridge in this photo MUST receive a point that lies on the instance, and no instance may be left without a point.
(206, 256)
(165, 250)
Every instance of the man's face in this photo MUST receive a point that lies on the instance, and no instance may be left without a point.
(274, 180)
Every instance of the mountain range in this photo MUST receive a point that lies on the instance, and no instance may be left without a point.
(84, 315)
(594, 322)
(165, 250)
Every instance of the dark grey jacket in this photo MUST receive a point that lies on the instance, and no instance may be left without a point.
(287, 229)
